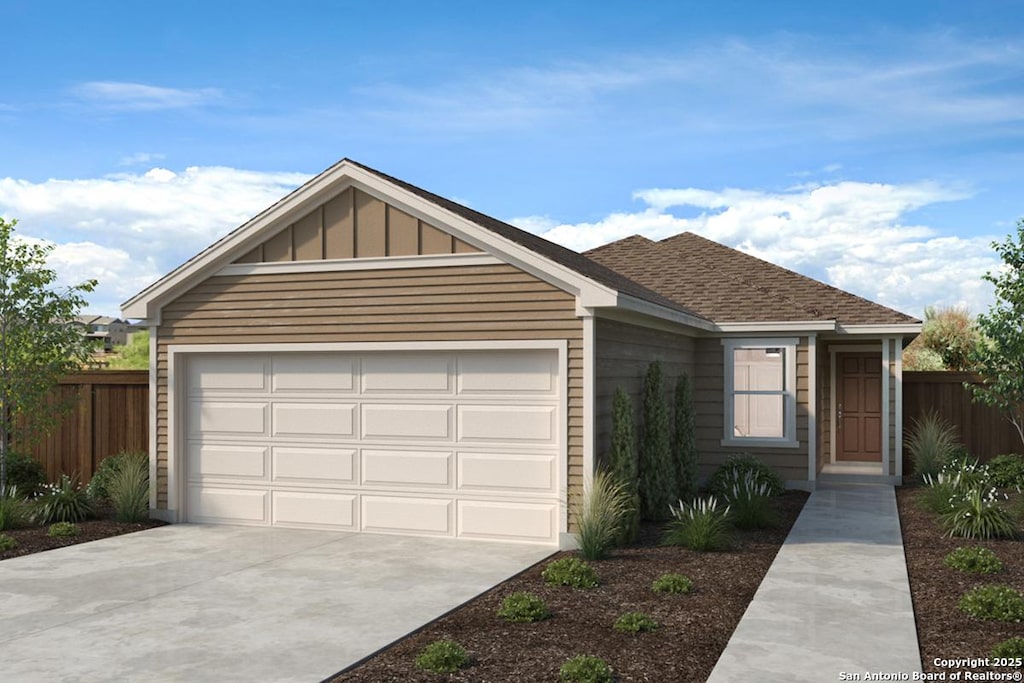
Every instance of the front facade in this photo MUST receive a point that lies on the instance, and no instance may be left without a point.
(367, 356)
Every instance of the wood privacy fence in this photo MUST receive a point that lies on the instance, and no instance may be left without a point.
(983, 430)
(109, 413)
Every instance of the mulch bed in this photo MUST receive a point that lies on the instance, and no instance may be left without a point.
(36, 539)
(694, 628)
(944, 631)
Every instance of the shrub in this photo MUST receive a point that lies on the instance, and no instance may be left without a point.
(749, 501)
(672, 583)
(634, 622)
(974, 559)
(701, 526)
(13, 508)
(993, 601)
(61, 529)
(26, 473)
(7, 543)
(585, 669)
(971, 472)
(442, 657)
(523, 608)
(600, 514)
(1007, 471)
(980, 516)
(684, 440)
(941, 492)
(624, 465)
(65, 501)
(570, 571)
(738, 465)
(100, 483)
(128, 489)
(930, 444)
(1011, 648)
(657, 470)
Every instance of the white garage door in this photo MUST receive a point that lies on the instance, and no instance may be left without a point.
(454, 444)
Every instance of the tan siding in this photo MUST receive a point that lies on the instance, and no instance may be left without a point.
(439, 304)
(403, 233)
(254, 256)
(308, 237)
(278, 247)
(463, 248)
(339, 227)
(371, 226)
(434, 241)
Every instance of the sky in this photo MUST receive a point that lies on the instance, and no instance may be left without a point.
(877, 146)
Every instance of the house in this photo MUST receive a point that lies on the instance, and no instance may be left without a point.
(108, 332)
(366, 355)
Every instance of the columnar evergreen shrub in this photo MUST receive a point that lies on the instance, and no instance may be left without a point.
(684, 440)
(624, 466)
(657, 471)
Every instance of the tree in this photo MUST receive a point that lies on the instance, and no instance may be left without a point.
(624, 462)
(39, 340)
(657, 471)
(948, 336)
(999, 359)
(684, 440)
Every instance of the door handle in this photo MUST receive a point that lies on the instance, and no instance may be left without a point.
(840, 415)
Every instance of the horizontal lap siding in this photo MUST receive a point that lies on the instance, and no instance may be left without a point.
(623, 355)
(709, 400)
(464, 303)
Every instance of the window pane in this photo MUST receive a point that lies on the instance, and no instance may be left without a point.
(758, 416)
(758, 369)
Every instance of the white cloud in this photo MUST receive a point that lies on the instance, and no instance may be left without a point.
(127, 229)
(140, 158)
(853, 235)
(118, 95)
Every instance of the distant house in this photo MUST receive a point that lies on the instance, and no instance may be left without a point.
(110, 332)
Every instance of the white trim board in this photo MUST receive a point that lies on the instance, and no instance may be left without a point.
(372, 263)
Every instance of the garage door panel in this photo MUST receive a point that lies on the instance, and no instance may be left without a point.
(237, 506)
(406, 374)
(233, 373)
(320, 465)
(502, 471)
(310, 373)
(508, 372)
(407, 515)
(217, 417)
(227, 461)
(406, 468)
(512, 424)
(314, 419)
(530, 522)
(395, 421)
(314, 510)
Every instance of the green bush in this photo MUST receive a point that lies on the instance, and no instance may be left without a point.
(974, 559)
(7, 543)
(634, 622)
(702, 526)
(585, 669)
(128, 489)
(993, 601)
(442, 657)
(684, 440)
(99, 485)
(1007, 471)
(737, 466)
(570, 571)
(63, 529)
(657, 469)
(26, 473)
(972, 473)
(749, 501)
(624, 465)
(14, 510)
(931, 444)
(980, 516)
(941, 492)
(600, 515)
(65, 501)
(1011, 648)
(523, 608)
(672, 583)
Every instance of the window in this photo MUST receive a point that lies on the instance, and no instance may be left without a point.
(760, 392)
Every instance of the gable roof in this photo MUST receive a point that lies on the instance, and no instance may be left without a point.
(727, 285)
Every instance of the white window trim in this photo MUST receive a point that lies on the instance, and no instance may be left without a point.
(789, 439)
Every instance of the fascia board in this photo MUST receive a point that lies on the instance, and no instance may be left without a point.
(780, 326)
(905, 328)
(631, 303)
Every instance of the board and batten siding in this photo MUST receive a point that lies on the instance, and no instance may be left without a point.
(623, 354)
(709, 403)
(453, 303)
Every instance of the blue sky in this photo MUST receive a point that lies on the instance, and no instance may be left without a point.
(876, 146)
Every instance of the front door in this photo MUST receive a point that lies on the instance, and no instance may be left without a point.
(859, 407)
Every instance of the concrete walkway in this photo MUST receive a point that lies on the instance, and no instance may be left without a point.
(835, 600)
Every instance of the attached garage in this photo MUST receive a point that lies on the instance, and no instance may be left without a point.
(463, 443)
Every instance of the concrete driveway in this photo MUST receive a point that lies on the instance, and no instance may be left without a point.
(198, 603)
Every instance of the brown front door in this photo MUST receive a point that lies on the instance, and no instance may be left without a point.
(859, 407)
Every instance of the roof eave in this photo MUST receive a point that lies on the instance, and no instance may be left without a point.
(883, 328)
(778, 326)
